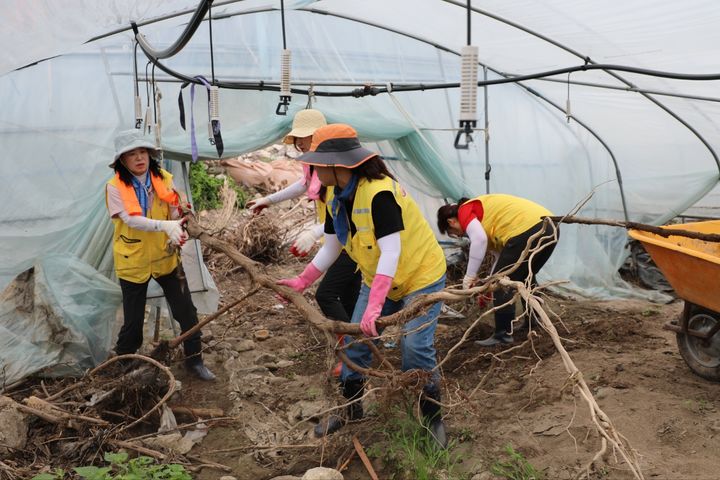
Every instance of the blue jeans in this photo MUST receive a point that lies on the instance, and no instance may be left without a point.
(417, 348)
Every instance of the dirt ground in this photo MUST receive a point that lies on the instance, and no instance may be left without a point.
(668, 415)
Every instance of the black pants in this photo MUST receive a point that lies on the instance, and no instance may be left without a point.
(178, 297)
(339, 289)
(508, 256)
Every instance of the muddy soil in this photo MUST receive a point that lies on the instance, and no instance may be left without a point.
(273, 371)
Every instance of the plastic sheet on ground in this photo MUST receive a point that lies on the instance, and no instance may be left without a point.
(56, 317)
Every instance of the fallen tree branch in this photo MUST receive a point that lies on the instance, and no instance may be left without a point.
(179, 339)
(662, 231)
(62, 416)
(207, 463)
(365, 460)
(602, 422)
(138, 448)
(209, 413)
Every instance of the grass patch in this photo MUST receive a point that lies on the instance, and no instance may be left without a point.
(409, 452)
(122, 468)
(515, 467)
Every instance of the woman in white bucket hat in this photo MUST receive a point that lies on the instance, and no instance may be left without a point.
(146, 215)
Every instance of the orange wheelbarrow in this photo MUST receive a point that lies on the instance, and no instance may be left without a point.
(693, 269)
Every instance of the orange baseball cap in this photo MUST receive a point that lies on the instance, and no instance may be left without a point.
(336, 145)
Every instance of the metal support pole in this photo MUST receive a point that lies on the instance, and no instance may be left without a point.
(487, 134)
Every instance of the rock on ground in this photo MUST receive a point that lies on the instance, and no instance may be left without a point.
(322, 473)
(13, 427)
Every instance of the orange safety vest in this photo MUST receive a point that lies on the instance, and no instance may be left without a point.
(138, 255)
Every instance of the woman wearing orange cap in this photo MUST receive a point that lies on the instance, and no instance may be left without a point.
(382, 229)
(338, 290)
(505, 224)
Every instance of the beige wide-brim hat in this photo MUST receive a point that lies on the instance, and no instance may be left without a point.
(130, 140)
(304, 124)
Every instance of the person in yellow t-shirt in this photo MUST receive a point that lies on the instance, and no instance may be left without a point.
(145, 211)
(503, 224)
(381, 228)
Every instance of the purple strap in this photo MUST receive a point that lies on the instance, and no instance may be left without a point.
(217, 140)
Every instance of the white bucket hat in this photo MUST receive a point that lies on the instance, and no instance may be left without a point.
(304, 124)
(130, 140)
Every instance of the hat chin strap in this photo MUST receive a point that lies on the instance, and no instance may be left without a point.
(337, 180)
(131, 172)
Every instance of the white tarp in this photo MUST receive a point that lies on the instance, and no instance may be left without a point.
(59, 116)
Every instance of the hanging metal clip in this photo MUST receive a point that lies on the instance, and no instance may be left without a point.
(283, 105)
(466, 128)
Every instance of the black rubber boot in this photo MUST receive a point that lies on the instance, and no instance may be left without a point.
(503, 324)
(199, 370)
(501, 338)
(351, 390)
(432, 417)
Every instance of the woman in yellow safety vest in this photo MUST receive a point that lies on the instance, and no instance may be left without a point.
(381, 228)
(338, 290)
(505, 224)
(145, 211)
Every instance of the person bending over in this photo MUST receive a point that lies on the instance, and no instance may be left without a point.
(505, 224)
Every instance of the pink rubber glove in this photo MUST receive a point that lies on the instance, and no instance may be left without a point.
(378, 293)
(302, 281)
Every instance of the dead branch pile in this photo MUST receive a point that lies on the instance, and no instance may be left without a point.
(262, 238)
(74, 422)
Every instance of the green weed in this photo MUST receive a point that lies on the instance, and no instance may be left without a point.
(516, 467)
(409, 451)
(206, 189)
(122, 468)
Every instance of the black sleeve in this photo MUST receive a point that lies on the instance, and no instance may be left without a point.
(386, 215)
(329, 227)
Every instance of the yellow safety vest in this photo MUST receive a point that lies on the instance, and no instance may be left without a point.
(506, 216)
(421, 262)
(139, 254)
(320, 210)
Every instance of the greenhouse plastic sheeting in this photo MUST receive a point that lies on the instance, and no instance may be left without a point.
(56, 317)
(60, 114)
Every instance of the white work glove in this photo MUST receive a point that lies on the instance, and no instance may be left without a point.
(174, 230)
(305, 241)
(469, 281)
(257, 206)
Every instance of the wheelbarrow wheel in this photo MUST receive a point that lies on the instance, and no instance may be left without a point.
(702, 356)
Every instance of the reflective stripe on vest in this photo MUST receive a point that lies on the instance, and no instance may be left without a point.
(506, 216)
(139, 254)
(421, 262)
